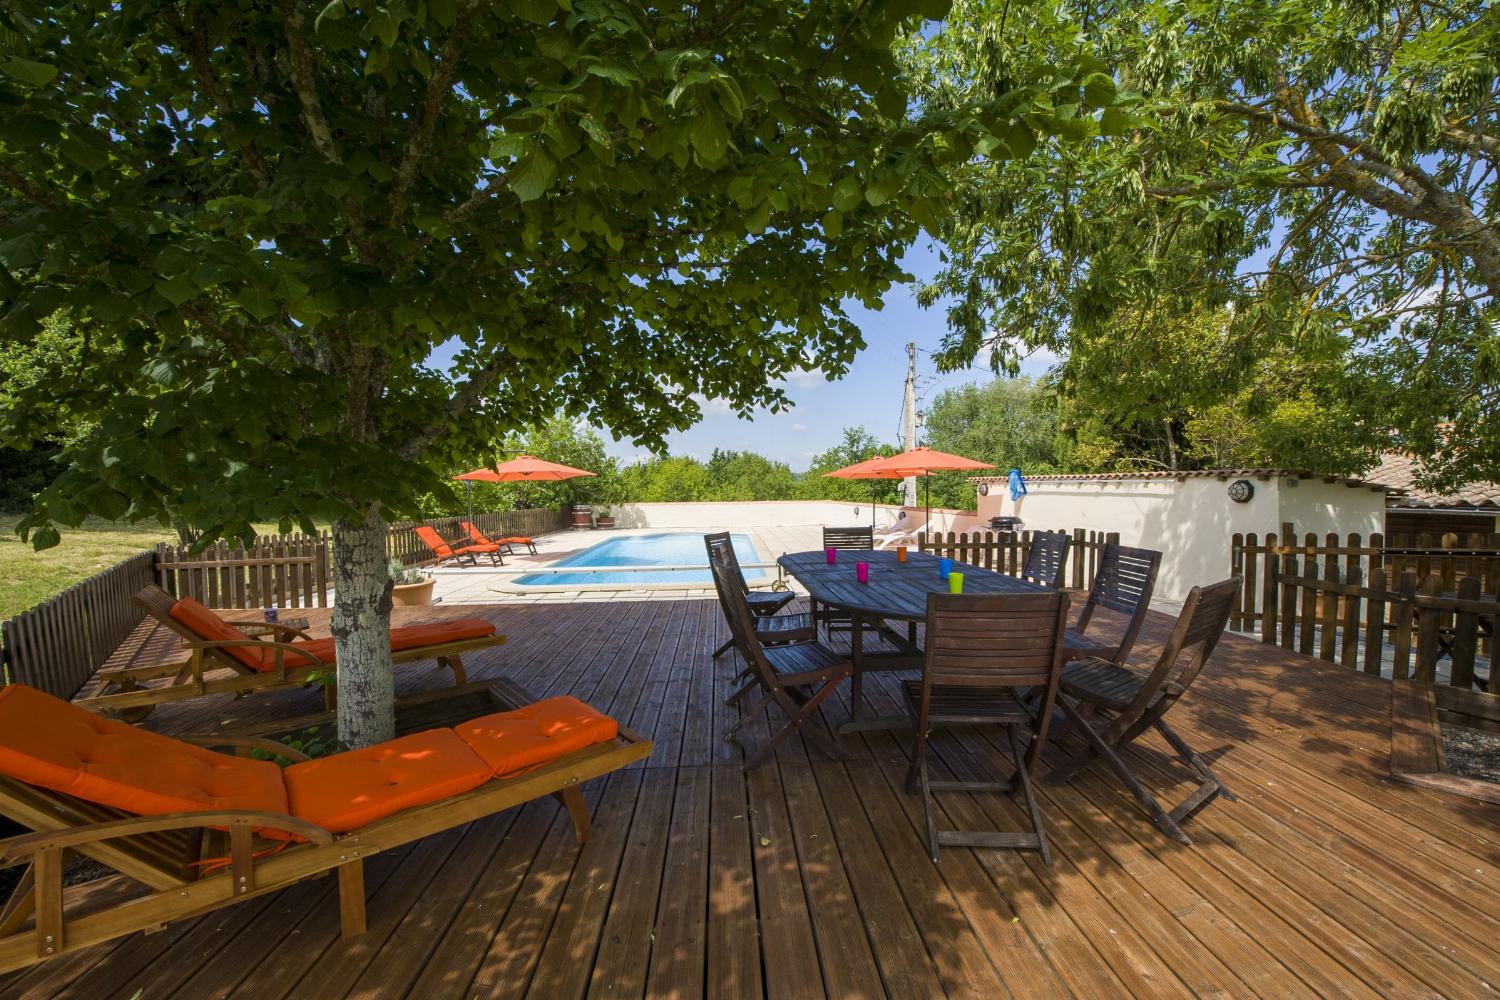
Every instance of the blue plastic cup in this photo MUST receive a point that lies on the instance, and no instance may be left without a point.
(945, 566)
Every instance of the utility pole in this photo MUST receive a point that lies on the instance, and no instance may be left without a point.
(909, 423)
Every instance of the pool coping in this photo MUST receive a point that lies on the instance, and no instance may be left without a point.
(504, 587)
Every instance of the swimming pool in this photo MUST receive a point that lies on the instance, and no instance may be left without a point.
(655, 550)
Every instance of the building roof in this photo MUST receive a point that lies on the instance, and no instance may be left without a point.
(1399, 472)
(1196, 474)
(1181, 474)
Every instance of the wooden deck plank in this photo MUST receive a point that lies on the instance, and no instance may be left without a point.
(809, 877)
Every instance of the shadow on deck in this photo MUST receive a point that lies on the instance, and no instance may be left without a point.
(810, 877)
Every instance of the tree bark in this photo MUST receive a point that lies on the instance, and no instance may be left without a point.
(361, 631)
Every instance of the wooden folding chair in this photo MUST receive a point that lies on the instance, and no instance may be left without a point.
(1115, 703)
(797, 678)
(985, 654)
(1123, 584)
(771, 627)
(845, 540)
(1046, 559)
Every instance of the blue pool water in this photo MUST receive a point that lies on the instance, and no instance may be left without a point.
(666, 549)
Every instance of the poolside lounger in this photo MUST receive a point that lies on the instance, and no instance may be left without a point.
(199, 830)
(212, 642)
(444, 552)
(508, 543)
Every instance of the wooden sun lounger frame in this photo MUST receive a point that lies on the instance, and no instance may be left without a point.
(187, 676)
(159, 851)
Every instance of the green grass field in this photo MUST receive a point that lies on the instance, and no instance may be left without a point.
(27, 578)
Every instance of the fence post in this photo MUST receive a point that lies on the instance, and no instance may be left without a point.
(1330, 616)
(1403, 620)
(1466, 636)
(1375, 622)
(1309, 612)
(1429, 622)
(1268, 592)
(1288, 599)
(1349, 651)
(1236, 568)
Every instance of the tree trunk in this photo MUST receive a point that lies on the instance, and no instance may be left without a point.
(361, 631)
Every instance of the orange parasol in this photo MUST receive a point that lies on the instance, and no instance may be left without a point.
(863, 470)
(522, 468)
(921, 461)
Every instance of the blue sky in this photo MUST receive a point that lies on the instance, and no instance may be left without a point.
(868, 396)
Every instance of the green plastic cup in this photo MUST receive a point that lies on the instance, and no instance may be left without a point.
(955, 583)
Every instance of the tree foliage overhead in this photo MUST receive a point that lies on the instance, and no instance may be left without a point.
(277, 211)
(1327, 169)
(1005, 422)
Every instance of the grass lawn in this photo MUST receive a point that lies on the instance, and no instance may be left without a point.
(27, 577)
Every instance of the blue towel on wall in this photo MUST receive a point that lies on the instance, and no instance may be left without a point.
(1017, 485)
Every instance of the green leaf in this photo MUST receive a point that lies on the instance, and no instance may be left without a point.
(177, 289)
(533, 175)
(256, 301)
(833, 223)
(535, 11)
(1114, 122)
(35, 73)
(87, 155)
(45, 538)
(332, 12)
(709, 137)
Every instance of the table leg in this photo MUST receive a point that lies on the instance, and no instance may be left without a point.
(857, 660)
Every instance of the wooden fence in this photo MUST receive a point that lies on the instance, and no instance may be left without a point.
(1392, 611)
(402, 541)
(290, 571)
(57, 645)
(1005, 551)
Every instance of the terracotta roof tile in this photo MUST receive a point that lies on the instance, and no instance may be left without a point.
(1399, 472)
(1194, 474)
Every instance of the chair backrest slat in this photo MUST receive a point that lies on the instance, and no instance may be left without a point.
(1201, 624)
(729, 584)
(1000, 640)
(1126, 578)
(1046, 558)
(849, 538)
(721, 544)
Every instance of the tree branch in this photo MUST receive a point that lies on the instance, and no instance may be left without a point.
(419, 139)
(306, 85)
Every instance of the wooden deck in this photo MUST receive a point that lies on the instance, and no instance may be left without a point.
(809, 877)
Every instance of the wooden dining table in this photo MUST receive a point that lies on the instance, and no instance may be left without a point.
(896, 592)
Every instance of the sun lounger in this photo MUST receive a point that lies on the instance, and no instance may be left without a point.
(445, 552)
(508, 543)
(199, 830)
(257, 664)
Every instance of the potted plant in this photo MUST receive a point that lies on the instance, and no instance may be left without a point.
(604, 519)
(413, 587)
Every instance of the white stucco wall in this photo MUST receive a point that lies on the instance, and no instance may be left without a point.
(1191, 520)
(785, 513)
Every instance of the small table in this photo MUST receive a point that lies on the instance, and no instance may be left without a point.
(253, 629)
(896, 591)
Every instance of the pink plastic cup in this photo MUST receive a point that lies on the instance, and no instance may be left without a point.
(833, 556)
(862, 572)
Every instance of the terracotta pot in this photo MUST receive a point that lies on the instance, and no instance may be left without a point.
(413, 595)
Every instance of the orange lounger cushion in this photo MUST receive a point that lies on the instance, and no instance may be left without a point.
(410, 637)
(349, 790)
(47, 742)
(511, 742)
(209, 627)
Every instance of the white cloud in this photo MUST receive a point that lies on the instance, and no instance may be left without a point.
(799, 428)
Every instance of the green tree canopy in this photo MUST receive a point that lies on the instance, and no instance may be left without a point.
(857, 445)
(558, 439)
(274, 213)
(1328, 169)
(1006, 422)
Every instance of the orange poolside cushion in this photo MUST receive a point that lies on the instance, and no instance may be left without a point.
(511, 742)
(209, 627)
(47, 742)
(349, 790)
(410, 637)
